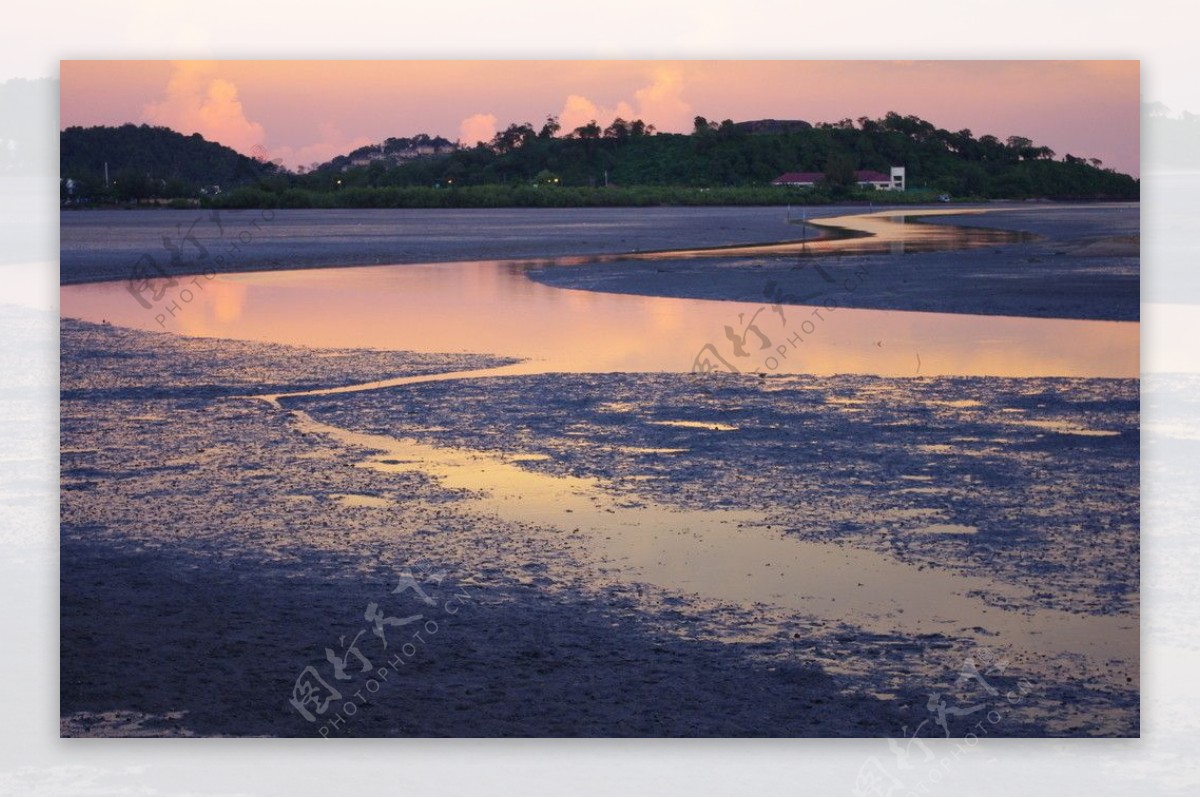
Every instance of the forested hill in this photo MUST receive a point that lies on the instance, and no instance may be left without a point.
(148, 161)
(726, 162)
(743, 154)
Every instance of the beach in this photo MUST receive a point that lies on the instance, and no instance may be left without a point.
(1076, 263)
(605, 551)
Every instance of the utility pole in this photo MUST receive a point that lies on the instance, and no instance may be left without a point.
(106, 174)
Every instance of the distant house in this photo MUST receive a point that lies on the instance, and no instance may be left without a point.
(396, 156)
(863, 177)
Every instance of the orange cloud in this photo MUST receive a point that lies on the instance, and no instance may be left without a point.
(477, 128)
(198, 102)
(660, 104)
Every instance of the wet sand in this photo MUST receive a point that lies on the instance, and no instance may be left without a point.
(238, 538)
(1079, 263)
(106, 245)
(233, 565)
(237, 541)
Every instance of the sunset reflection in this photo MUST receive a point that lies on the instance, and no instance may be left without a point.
(488, 307)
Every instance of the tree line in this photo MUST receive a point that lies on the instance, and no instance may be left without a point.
(134, 163)
(628, 158)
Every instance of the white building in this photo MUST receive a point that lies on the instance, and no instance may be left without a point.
(864, 178)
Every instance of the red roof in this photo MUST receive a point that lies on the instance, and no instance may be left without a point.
(861, 176)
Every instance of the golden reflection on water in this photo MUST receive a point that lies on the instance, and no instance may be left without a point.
(490, 307)
(732, 556)
(866, 233)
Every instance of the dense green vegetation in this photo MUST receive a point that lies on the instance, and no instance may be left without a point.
(626, 163)
(532, 196)
(392, 148)
(147, 162)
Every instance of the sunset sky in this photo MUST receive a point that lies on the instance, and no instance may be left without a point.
(308, 111)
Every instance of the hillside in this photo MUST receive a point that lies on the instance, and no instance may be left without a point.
(393, 151)
(745, 155)
(626, 163)
(145, 162)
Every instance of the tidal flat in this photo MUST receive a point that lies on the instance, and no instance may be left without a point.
(505, 539)
(226, 537)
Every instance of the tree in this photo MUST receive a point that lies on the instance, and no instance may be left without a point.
(702, 127)
(375, 173)
(963, 144)
(513, 137)
(638, 128)
(868, 125)
(619, 130)
(589, 131)
(1018, 142)
(550, 129)
(839, 173)
(130, 184)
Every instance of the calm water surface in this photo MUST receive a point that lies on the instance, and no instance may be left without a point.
(492, 307)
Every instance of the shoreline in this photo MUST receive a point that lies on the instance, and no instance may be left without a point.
(1074, 263)
(1070, 261)
(231, 242)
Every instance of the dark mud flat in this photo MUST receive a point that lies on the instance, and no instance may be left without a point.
(214, 546)
(213, 648)
(106, 245)
(1082, 264)
(209, 556)
(1034, 479)
(1029, 485)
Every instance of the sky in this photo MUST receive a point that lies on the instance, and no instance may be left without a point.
(304, 112)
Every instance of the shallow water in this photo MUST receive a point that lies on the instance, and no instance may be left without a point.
(714, 556)
(731, 556)
(492, 307)
(891, 231)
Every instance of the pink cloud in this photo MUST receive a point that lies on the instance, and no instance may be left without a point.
(198, 102)
(477, 128)
(660, 104)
